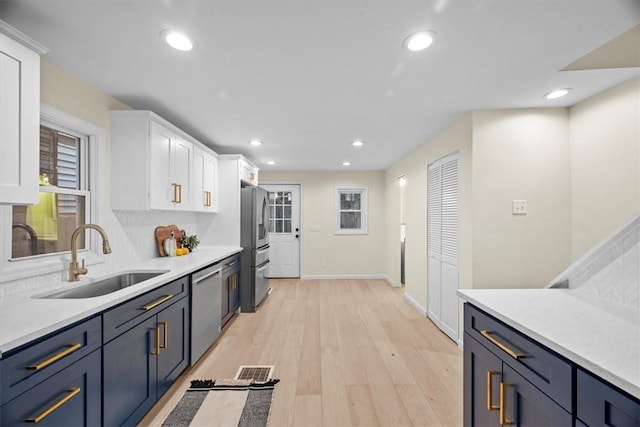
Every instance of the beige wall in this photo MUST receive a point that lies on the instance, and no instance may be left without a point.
(455, 138)
(605, 164)
(74, 96)
(323, 252)
(520, 155)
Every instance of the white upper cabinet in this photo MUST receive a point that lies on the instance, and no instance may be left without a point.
(248, 172)
(154, 166)
(205, 185)
(19, 116)
(170, 167)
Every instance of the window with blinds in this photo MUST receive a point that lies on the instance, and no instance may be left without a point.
(46, 228)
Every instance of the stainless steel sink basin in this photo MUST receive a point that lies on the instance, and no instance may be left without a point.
(106, 286)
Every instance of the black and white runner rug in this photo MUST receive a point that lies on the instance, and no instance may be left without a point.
(243, 403)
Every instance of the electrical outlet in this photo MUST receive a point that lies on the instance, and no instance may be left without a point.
(519, 207)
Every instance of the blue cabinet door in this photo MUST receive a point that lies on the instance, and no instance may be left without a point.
(173, 357)
(482, 376)
(525, 405)
(600, 404)
(129, 370)
(72, 397)
(234, 296)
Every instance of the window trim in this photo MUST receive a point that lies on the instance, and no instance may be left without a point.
(20, 268)
(364, 223)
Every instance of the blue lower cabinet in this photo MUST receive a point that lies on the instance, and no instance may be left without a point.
(142, 363)
(522, 404)
(129, 374)
(599, 404)
(495, 394)
(71, 397)
(482, 376)
(173, 357)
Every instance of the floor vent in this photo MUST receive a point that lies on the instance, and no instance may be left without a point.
(256, 373)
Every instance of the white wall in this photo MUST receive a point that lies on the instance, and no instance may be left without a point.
(605, 164)
(520, 155)
(323, 252)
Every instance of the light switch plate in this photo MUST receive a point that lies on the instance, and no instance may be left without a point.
(519, 207)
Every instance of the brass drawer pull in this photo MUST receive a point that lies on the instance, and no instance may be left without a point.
(157, 302)
(157, 350)
(179, 193)
(490, 405)
(510, 352)
(503, 409)
(52, 408)
(70, 349)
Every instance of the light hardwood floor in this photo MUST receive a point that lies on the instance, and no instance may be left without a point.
(347, 352)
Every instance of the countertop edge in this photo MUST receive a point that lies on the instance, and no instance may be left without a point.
(568, 353)
(97, 305)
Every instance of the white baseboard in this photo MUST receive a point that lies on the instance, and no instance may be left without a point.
(348, 276)
(415, 305)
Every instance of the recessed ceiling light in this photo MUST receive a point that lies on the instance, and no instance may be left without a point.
(255, 142)
(271, 162)
(346, 163)
(177, 40)
(357, 143)
(558, 93)
(419, 41)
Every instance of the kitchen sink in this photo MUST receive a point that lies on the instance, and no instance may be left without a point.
(105, 286)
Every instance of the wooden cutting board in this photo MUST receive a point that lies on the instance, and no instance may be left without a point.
(163, 232)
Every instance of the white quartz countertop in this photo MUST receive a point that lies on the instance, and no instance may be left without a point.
(24, 317)
(602, 337)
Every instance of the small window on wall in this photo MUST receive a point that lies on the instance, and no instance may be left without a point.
(351, 211)
(46, 227)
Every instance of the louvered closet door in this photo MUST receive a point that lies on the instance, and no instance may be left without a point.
(443, 245)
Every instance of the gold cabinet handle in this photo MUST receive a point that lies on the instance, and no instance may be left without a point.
(503, 409)
(157, 350)
(179, 193)
(490, 405)
(52, 408)
(175, 193)
(156, 302)
(510, 352)
(165, 326)
(70, 349)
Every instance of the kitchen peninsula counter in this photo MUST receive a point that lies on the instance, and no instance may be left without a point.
(599, 336)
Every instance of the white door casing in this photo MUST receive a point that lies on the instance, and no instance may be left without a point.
(442, 243)
(284, 230)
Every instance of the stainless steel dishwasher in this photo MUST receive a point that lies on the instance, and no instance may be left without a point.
(206, 298)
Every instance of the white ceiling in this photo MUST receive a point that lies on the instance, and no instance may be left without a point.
(308, 77)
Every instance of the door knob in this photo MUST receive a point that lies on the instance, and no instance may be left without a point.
(297, 236)
(297, 229)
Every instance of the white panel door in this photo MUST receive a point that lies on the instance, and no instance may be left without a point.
(284, 230)
(443, 244)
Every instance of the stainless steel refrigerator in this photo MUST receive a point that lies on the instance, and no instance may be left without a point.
(254, 238)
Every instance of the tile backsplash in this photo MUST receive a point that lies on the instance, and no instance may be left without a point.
(131, 235)
(612, 270)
